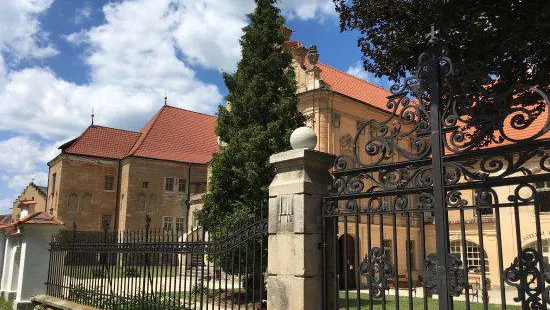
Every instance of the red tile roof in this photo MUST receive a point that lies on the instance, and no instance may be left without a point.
(5, 219)
(39, 218)
(178, 135)
(172, 134)
(102, 141)
(35, 218)
(345, 83)
(354, 87)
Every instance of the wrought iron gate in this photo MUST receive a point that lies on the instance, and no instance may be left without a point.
(458, 169)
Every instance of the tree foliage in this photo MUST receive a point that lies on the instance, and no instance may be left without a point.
(510, 37)
(262, 115)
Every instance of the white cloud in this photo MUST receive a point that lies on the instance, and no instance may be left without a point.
(358, 71)
(83, 14)
(5, 205)
(23, 159)
(143, 48)
(133, 60)
(308, 9)
(20, 33)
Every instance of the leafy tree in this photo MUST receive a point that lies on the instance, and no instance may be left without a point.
(509, 37)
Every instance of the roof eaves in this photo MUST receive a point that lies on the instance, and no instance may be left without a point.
(347, 96)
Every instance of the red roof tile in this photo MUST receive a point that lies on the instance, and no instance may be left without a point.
(178, 135)
(102, 141)
(353, 87)
(39, 218)
(35, 218)
(172, 134)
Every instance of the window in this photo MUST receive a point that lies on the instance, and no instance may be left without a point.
(387, 250)
(72, 203)
(483, 199)
(473, 255)
(542, 199)
(145, 185)
(181, 185)
(169, 184)
(545, 249)
(86, 203)
(167, 223)
(105, 221)
(412, 254)
(180, 224)
(141, 201)
(109, 183)
(152, 207)
(54, 179)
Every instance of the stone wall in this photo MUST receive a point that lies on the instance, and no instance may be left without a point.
(83, 178)
(153, 198)
(29, 193)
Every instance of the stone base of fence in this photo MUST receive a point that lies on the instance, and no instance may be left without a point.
(52, 303)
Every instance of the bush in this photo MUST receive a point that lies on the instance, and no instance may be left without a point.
(200, 289)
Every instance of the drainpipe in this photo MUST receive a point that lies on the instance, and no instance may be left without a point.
(188, 203)
(118, 186)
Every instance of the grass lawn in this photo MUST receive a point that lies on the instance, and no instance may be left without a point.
(418, 303)
(5, 305)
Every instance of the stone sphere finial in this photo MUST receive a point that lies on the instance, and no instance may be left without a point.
(303, 138)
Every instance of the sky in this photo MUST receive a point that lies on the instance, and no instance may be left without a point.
(59, 59)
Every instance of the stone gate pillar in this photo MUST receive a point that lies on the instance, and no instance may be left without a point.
(294, 268)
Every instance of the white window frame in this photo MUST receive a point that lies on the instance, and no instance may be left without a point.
(180, 223)
(166, 183)
(184, 182)
(165, 222)
(473, 258)
(112, 183)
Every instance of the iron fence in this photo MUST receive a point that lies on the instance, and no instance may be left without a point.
(445, 205)
(158, 269)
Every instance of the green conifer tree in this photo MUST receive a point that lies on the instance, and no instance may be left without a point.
(262, 115)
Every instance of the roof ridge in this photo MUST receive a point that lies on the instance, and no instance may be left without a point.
(353, 76)
(171, 106)
(143, 135)
(119, 129)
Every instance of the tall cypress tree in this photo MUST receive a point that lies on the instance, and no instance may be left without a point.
(262, 115)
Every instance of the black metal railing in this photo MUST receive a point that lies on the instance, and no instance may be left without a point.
(445, 199)
(158, 269)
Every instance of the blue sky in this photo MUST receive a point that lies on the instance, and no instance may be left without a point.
(61, 58)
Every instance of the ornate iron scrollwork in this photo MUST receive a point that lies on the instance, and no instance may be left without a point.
(378, 269)
(456, 274)
(529, 275)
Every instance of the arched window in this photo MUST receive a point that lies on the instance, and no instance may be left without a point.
(141, 202)
(545, 248)
(72, 204)
(152, 207)
(473, 255)
(86, 203)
